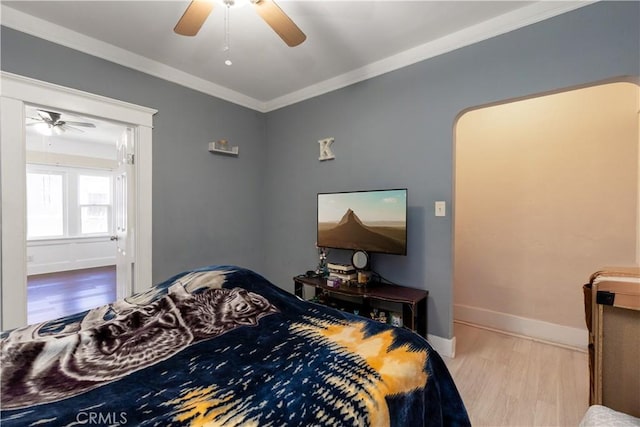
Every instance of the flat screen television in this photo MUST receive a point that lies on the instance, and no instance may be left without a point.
(371, 221)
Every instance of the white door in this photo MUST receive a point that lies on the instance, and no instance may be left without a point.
(124, 207)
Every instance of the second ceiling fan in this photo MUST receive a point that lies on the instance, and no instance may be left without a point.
(198, 11)
(50, 122)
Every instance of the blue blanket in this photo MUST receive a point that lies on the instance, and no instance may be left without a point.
(222, 346)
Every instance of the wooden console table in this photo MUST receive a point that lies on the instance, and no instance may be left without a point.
(414, 301)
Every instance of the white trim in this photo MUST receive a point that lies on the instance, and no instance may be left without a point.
(67, 240)
(71, 253)
(62, 160)
(505, 23)
(638, 189)
(43, 93)
(552, 333)
(142, 236)
(13, 179)
(56, 267)
(444, 346)
(15, 92)
(34, 26)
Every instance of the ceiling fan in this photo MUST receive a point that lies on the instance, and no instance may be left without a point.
(49, 122)
(198, 11)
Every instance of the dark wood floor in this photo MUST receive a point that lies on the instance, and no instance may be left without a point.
(54, 295)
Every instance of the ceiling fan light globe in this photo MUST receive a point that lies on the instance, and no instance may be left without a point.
(43, 129)
(236, 4)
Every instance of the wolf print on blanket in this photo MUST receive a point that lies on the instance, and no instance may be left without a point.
(70, 362)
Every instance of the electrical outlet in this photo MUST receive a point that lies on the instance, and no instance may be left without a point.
(441, 209)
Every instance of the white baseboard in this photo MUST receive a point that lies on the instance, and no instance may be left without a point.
(55, 267)
(531, 328)
(444, 346)
(50, 256)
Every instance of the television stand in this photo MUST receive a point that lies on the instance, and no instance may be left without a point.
(414, 301)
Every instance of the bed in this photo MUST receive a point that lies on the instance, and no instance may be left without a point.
(222, 346)
(601, 416)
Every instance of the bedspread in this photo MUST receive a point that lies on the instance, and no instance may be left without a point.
(222, 346)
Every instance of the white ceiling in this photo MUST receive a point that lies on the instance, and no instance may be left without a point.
(347, 41)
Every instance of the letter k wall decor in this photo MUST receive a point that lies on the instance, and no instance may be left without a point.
(325, 149)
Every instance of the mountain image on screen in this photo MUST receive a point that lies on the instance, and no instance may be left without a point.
(351, 233)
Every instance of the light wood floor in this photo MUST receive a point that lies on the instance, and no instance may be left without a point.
(511, 381)
(54, 295)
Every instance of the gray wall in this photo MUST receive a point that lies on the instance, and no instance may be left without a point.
(204, 205)
(396, 130)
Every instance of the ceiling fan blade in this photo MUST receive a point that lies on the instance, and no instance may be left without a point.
(48, 116)
(279, 22)
(83, 124)
(64, 128)
(193, 18)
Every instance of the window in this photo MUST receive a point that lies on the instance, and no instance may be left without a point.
(94, 198)
(68, 202)
(45, 204)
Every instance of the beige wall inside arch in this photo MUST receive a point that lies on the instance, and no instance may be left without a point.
(546, 193)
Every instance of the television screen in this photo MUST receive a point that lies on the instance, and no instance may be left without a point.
(372, 221)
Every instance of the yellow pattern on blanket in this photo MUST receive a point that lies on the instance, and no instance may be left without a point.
(376, 370)
(397, 367)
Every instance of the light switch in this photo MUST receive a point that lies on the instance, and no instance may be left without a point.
(441, 209)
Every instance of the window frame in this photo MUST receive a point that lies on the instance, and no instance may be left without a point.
(44, 170)
(72, 215)
(109, 205)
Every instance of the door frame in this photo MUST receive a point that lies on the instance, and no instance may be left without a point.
(16, 91)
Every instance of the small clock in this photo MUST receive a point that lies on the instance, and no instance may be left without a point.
(360, 260)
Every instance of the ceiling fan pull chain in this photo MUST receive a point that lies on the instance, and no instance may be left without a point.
(227, 37)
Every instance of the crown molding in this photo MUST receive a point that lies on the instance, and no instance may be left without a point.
(37, 27)
(38, 92)
(502, 24)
